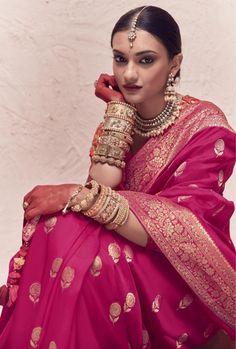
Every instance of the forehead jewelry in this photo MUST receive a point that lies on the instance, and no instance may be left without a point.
(132, 34)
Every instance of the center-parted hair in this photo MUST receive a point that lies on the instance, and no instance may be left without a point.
(155, 21)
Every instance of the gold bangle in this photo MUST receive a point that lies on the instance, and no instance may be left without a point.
(109, 161)
(92, 211)
(121, 217)
(107, 211)
(122, 136)
(114, 142)
(121, 108)
(86, 202)
(66, 209)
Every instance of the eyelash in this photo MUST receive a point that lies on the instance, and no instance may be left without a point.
(121, 60)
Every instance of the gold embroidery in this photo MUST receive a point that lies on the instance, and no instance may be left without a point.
(219, 147)
(158, 152)
(180, 169)
(156, 304)
(129, 255)
(35, 337)
(180, 341)
(34, 292)
(52, 345)
(18, 262)
(29, 228)
(49, 224)
(67, 277)
(220, 178)
(129, 302)
(114, 251)
(192, 252)
(96, 267)
(114, 312)
(186, 301)
(145, 338)
(56, 264)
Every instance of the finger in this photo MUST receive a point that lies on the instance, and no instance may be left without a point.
(30, 214)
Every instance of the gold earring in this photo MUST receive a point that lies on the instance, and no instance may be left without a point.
(170, 93)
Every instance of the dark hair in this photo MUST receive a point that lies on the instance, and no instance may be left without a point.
(157, 22)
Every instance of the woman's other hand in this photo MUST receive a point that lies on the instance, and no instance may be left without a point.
(106, 88)
(47, 199)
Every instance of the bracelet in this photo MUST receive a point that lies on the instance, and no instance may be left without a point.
(121, 108)
(114, 141)
(122, 136)
(92, 211)
(121, 217)
(85, 203)
(73, 196)
(110, 161)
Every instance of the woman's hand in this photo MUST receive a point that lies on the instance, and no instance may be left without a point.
(106, 88)
(47, 199)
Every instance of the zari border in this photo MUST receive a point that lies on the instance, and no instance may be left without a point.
(158, 152)
(191, 251)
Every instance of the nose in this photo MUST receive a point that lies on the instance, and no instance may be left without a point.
(130, 73)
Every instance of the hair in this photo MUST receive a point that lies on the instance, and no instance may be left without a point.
(157, 22)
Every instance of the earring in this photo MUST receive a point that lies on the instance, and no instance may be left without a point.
(170, 94)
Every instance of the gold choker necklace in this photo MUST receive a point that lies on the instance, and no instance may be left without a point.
(157, 125)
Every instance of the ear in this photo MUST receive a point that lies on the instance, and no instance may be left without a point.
(176, 63)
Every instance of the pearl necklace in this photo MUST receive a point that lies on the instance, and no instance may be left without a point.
(157, 125)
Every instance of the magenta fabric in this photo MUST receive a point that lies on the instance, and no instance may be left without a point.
(85, 287)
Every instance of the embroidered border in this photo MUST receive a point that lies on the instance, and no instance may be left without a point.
(191, 251)
(158, 152)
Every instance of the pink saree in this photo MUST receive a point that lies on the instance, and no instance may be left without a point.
(83, 286)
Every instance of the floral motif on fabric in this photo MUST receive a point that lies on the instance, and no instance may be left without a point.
(67, 277)
(129, 302)
(145, 339)
(35, 337)
(52, 345)
(96, 267)
(56, 264)
(34, 292)
(186, 301)
(219, 147)
(114, 251)
(181, 340)
(190, 249)
(156, 304)
(144, 167)
(50, 224)
(129, 254)
(114, 312)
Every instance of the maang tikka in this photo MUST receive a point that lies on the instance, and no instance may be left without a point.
(132, 34)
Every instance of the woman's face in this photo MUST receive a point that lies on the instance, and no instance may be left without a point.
(142, 71)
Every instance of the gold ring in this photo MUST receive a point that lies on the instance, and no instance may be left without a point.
(25, 205)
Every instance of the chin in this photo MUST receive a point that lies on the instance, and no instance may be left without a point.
(134, 99)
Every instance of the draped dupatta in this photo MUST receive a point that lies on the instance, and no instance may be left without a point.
(174, 185)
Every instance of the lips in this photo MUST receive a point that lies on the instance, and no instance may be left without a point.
(132, 87)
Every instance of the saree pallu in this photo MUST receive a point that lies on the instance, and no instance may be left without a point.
(85, 287)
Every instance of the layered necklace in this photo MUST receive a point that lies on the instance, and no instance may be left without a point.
(157, 125)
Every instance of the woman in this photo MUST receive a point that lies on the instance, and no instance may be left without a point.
(149, 263)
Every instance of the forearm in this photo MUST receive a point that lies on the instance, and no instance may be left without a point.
(106, 174)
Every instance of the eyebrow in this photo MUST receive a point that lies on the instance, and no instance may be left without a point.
(138, 53)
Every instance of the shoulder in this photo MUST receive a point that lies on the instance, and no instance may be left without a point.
(201, 114)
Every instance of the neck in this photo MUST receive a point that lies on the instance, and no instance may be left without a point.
(148, 109)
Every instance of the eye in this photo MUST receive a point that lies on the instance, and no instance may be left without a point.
(119, 59)
(147, 60)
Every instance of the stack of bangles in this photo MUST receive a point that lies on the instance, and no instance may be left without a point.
(116, 137)
(103, 204)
